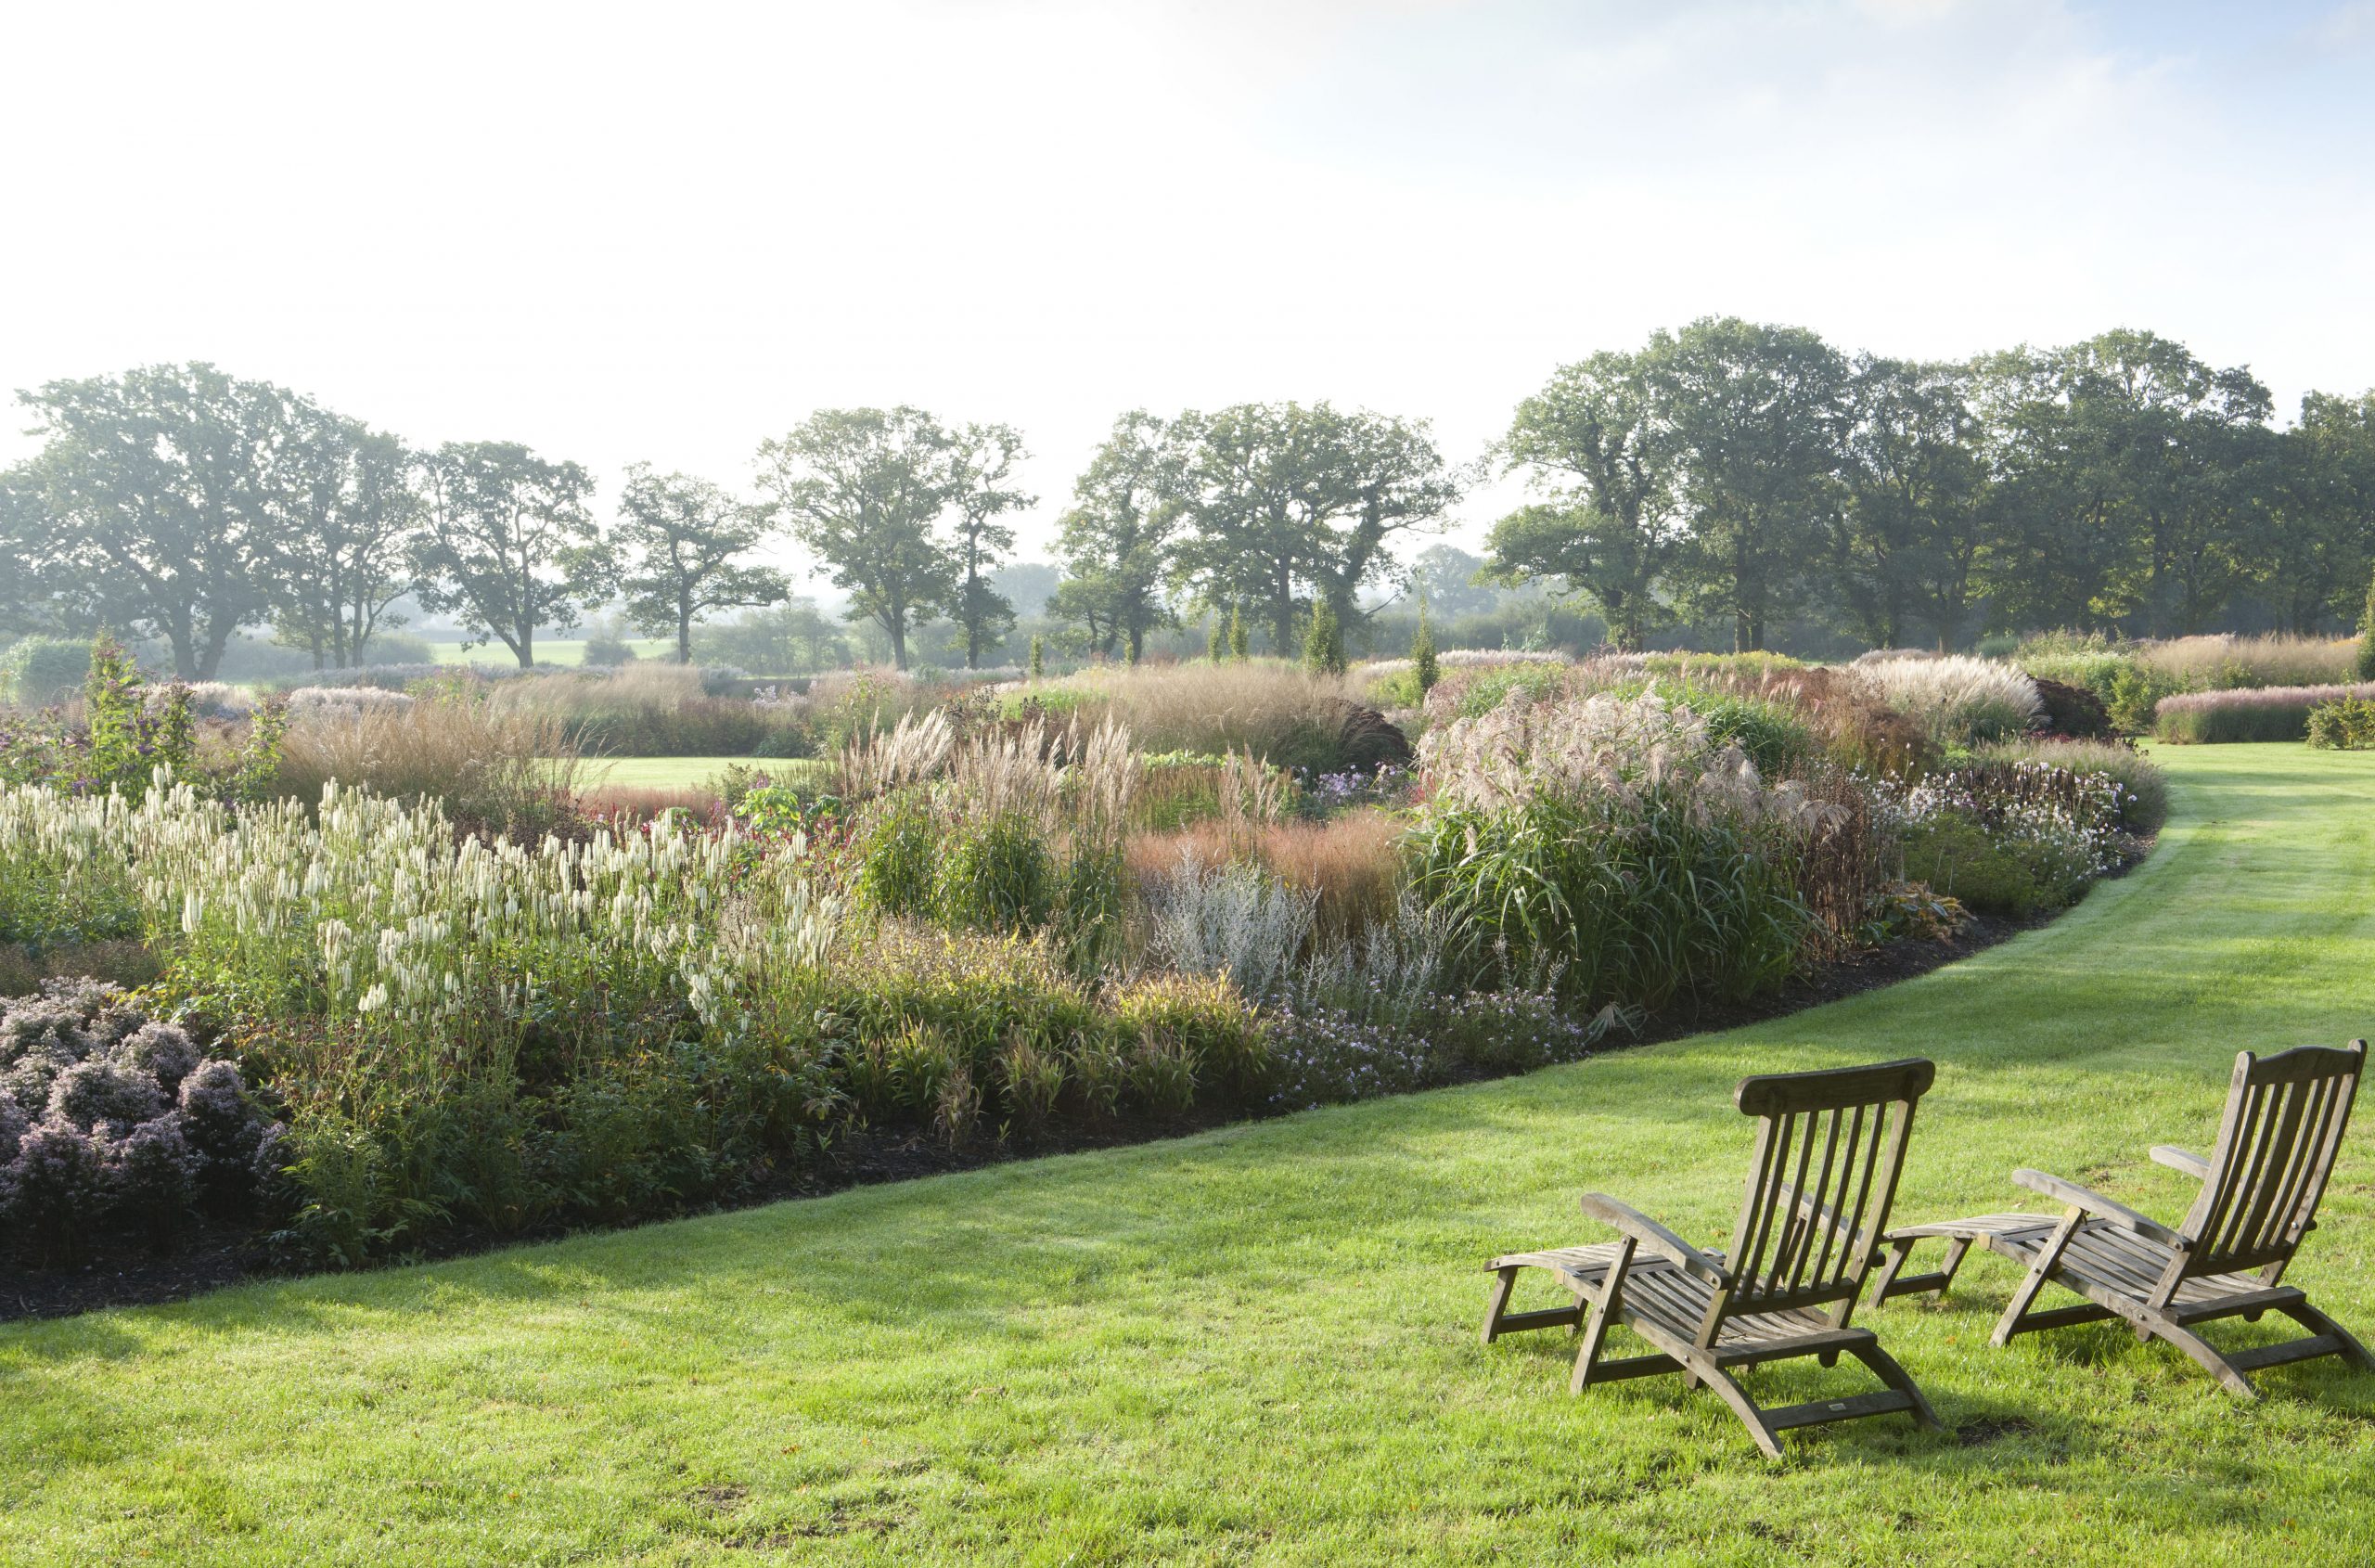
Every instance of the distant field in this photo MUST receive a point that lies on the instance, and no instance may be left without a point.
(561, 652)
(674, 773)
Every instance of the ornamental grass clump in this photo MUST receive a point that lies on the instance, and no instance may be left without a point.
(2276, 713)
(1614, 840)
(1956, 700)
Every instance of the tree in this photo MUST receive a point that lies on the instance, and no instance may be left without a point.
(679, 541)
(1117, 538)
(2320, 541)
(981, 469)
(1423, 663)
(352, 510)
(2366, 663)
(1287, 503)
(1323, 641)
(151, 496)
(778, 639)
(1753, 417)
(507, 543)
(1907, 543)
(863, 488)
(1237, 643)
(2118, 463)
(1446, 577)
(1611, 524)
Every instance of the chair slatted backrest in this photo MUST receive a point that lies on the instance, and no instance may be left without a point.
(2277, 1144)
(1829, 1147)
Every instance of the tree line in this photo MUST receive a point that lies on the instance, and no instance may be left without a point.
(1726, 474)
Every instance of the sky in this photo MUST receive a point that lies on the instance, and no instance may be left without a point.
(663, 234)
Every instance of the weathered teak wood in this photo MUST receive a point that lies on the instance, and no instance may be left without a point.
(2260, 1187)
(1829, 1147)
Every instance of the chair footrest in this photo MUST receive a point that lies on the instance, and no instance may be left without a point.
(1547, 1318)
(2308, 1349)
(1816, 1411)
(1634, 1366)
(2060, 1317)
(1916, 1284)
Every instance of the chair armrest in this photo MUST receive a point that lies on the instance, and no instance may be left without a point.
(1655, 1238)
(2193, 1165)
(2100, 1207)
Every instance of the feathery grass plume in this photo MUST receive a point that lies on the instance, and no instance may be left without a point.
(2271, 712)
(2224, 663)
(488, 766)
(913, 750)
(1251, 791)
(1283, 713)
(1615, 838)
(1955, 699)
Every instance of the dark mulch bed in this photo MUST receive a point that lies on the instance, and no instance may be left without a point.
(213, 1255)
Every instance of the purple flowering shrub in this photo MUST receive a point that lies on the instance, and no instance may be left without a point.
(111, 1120)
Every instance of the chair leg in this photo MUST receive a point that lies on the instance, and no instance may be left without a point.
(1700, 1370)
(1594, 1334)
(2048, 1258)
(1890, 1267)
(1891, 1280)
(2318, 1322)
(2208, 1360)
(1886, 1369)
(1499, 1302)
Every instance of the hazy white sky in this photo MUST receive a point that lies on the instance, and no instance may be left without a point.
(663, 233)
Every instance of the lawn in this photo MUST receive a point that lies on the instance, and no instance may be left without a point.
(1258, 1344)
(558, 650)
(668, 773)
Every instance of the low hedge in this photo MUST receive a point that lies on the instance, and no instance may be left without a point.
(2271, 712)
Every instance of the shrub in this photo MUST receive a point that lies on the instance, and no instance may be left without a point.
(1234, 920)
(996, 873)
(1956, 700)
(2253, 713)
(2073, 711)
(2143, 804)
(2008, 837)
(108, 1118)
(1956, 856)
(2347, 723)
(42, 669)
(605, 647)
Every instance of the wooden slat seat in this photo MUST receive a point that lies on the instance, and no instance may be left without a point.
(2277, 1145)
(1829, 1149)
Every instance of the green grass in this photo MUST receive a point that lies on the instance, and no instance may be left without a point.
(570, 650)
(660, 773)
(1258, 1344)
